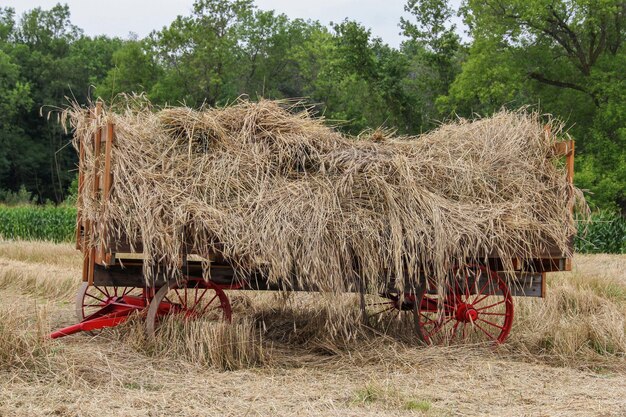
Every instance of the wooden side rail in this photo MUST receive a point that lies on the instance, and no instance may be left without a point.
(567, 149)
(104, 257)
(102, 183)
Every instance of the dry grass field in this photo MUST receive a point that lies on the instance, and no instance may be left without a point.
(288, 356)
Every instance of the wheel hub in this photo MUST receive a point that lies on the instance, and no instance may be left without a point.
(466, 313)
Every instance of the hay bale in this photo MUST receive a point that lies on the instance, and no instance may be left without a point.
(277, 191)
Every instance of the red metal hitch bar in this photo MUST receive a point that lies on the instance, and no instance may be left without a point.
(115, 310)
(112, 314)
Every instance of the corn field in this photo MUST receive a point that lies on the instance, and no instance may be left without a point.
(51, 223)
(605, 233)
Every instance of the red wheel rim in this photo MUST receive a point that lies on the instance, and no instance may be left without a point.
(476, 306)
(190, 299)
(91, 298)
(197, 298)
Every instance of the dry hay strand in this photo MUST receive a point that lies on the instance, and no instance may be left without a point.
(278, 193)
(581, 322)
(321, 324)
(39, 280)
(40, 252)
(23, 341)
(267, 331)
(221, 345)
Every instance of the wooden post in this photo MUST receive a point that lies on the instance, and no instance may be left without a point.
(81, 223)
(79, 197)
(570, 162)
(96, 188)
(108, 184)
(567, 149)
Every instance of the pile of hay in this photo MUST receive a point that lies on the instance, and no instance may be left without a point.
(277, 191)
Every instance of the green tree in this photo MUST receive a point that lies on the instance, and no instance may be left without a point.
(434, 51)
(199, 53)
(15, 97)
(46, 59)
(135, 70)
(566, 55)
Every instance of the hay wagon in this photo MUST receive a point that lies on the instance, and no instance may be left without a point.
(475, 303)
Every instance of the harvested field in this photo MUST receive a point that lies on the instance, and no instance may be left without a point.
(565, 356)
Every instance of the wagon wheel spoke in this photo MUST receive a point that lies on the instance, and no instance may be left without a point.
(492, 305)
(197, 299)
(208, 304)
(127, 291)
(491, 324)
(104, 292)
(94, 297)
(480, 292)
(189, 305)
(489, 335)
(91, 298)
(459, 307)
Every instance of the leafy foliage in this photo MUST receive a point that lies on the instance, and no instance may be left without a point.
(20, 197)
(566, 56)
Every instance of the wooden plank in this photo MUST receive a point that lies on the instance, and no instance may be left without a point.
(85, 275)
(80, 223)
(94, 191)
(79, 197)
(568, 265)
(563, 148)
(570, 162)
(129, 276)
(105, 255)
(140, 256)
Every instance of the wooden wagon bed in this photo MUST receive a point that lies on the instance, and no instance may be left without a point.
(117, 264)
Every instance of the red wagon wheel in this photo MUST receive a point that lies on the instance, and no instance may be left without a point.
(188, 299)
(388, 312)
(476, 306)
(91, 298)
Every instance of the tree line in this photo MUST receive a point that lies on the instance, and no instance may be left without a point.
(562, 57)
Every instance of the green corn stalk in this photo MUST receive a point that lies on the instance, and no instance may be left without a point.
(52, 223)
(605, 233)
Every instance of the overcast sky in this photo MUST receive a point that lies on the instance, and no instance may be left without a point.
(119, 17)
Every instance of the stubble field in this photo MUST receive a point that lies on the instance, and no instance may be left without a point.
(289, 356)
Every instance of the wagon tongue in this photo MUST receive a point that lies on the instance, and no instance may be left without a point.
(110, 315)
